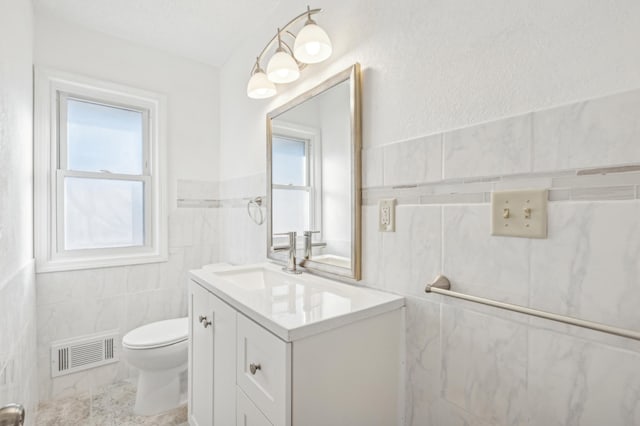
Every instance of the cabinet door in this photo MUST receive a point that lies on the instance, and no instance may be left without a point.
(248, 414)
(212, 358)
(200, 357)
(224, 362)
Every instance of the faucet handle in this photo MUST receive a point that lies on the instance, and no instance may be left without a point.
(308, 243)
(285, 234)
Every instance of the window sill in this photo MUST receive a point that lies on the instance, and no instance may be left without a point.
(48, 265)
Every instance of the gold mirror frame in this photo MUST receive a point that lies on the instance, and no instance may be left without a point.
(351, 74)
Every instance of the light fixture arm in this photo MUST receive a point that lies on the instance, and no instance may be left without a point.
(309, 20)
(283, 44)
(256, 67)
(279, 40)
(306, 14)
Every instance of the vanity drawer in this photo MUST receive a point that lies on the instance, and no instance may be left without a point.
(263, 370)
(247, 413)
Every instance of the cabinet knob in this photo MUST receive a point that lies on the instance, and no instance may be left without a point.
(203, 320)
(254, 367)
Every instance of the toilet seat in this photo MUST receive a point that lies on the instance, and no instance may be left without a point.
(157, 334)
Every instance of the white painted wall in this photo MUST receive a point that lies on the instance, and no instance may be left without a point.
(76, 303)
(17, 279)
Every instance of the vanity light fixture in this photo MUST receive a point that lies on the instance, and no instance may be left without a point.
(259, 86)
(311, 46)
(282, 68)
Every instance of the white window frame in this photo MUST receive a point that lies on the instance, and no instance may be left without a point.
(52, 90)
(313, 154)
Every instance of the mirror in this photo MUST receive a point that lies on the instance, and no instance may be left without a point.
(314, 177)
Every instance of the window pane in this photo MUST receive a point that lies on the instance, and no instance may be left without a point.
(101, 137)
(101, 213)
(289, 162)
(290, 210)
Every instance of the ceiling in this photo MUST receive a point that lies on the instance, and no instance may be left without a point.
(203, 30)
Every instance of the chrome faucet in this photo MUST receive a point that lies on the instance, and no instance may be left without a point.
(308, 244)
(292, 267)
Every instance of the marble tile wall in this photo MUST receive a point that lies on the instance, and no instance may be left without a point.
(469, 364)
(241, 239)
(76, 303)
(477, 366)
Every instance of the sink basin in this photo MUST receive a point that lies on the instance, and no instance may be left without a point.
(292, 306)
(254, 278)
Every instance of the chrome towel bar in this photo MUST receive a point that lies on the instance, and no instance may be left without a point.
(442, 285)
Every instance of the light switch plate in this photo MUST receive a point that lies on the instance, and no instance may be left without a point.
(519, 213)
(387, 215)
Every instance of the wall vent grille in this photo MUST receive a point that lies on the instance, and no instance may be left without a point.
(72, 355)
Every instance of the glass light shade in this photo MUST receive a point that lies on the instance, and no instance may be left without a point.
(312, 44)
(260, 87)
(282, 68)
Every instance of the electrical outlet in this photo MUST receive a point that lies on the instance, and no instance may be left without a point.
(387, 215)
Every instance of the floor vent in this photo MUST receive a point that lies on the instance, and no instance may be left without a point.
(71, 355)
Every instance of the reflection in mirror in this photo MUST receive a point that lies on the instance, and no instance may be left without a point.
(314, 177)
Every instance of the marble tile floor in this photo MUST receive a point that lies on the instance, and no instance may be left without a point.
(111, 406)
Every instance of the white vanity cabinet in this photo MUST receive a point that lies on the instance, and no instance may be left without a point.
(285, 351)
(212, 357)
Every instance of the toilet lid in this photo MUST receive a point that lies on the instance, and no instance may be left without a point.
(157, 334)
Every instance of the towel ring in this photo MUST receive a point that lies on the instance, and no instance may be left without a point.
(257, 203)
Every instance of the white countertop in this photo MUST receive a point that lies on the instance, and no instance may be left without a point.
(292, 306)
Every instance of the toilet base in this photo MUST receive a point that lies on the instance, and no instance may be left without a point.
(158, 391)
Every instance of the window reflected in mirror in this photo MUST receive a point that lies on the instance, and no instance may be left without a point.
(292, 183)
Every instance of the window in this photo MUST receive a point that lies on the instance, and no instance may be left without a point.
(296, 180)
(99, 190)
(291, 185)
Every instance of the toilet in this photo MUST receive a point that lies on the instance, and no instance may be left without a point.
(159, 351)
